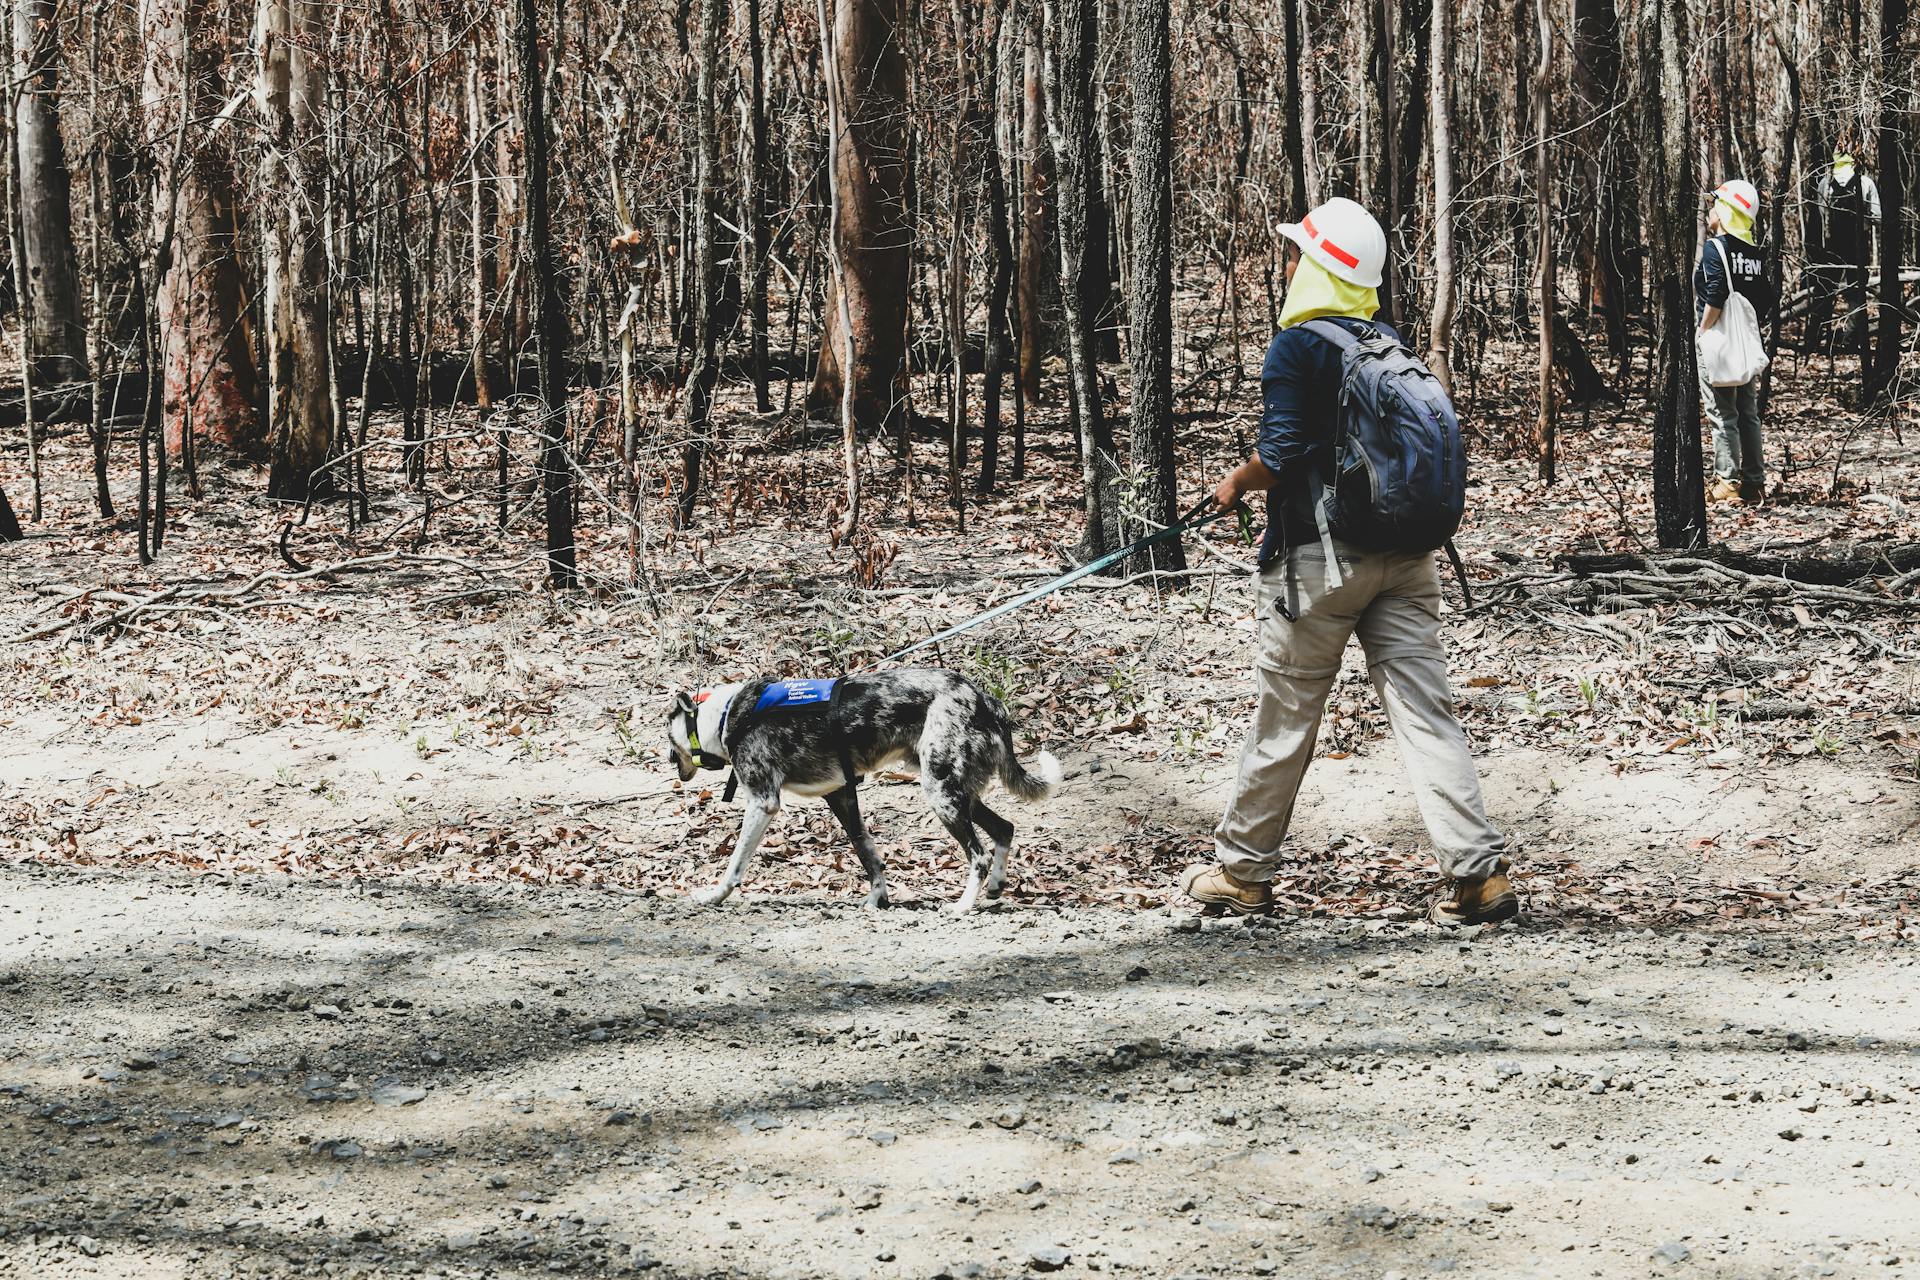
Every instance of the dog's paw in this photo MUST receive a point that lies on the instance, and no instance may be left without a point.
(877, 899)
(713, 897)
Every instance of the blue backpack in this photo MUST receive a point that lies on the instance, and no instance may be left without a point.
(1399, 480)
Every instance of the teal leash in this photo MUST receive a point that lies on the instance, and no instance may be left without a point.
(1196, 516)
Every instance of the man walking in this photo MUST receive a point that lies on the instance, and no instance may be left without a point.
(1316, 590)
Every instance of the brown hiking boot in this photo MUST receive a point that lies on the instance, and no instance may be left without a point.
(1478, 901)
(1217, 887)
(1723, 491)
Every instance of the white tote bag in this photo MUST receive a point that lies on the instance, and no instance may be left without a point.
(1731, 353)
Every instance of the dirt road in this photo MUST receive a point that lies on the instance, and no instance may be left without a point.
(297, 1078)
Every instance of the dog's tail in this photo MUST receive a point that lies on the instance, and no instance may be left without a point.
(1031, 786)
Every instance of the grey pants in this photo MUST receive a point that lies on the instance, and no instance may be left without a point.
(1392, 602)
(1735, 414)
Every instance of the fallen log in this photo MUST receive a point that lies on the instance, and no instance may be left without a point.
(1799, 302)
(1851, 563)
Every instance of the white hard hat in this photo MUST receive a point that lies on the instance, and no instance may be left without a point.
(1741, 194)
(1343, 238)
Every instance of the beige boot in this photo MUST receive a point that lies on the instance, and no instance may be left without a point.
(1478, 901)
(1218, 887)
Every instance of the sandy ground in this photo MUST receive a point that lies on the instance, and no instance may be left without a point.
(267, 1076)
(343, 926)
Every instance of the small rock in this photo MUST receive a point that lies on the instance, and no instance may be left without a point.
(1673, 1251)
(1028, 1187)
(867, 1199)
(397, 1095)
(1011, 1118)
(1128, 1155)
(883, 1137)
(87, 1245)
(140, 1062)
(1797, 1041)
(1791, 1135)
(1047, 1257)
(620, 1118)
(434, 1058)
(1180, 1084)
(326, 1012)
(1138, 972)
(1553, 1027)
(462, 1239)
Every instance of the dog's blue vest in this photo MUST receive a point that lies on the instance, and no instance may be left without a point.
(786, 695)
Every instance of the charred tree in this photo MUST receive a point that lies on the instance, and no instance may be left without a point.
(210, 388)
(704, 261)
(1440, 113)
(56, 335)
(1545, 438)
(291, 93)
(873, 235)
(1071, 124)
(1037, 260)
(1668, 190)
(1151, 306)
(1892, 144)
(556, 473)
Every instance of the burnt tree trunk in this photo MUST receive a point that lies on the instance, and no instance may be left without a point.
(870, 175)
(1667, 198)
(291, 91)
(704, 262)
(56, 336)
(1071, 123)
(210, 388)
(1892, 145)
(1036, 216)
(1151, 307)
(556, 473)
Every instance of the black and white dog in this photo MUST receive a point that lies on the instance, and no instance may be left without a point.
(819, 737)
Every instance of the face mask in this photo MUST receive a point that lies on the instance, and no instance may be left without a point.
(1315, 292)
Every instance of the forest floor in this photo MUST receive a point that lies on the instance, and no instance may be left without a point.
(352, 933)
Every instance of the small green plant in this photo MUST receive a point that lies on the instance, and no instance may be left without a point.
(1828, 741)
(623, 730)
(352, 717)
(1706, 715)
(1124, 681)
(836, 640)
(283, 777)
(1190, 741)
(420, 747)
(998, 672)
(1589, 691)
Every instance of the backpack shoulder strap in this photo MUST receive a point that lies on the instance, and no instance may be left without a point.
(1337, 334)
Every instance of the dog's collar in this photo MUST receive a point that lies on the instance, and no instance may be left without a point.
(694, 749)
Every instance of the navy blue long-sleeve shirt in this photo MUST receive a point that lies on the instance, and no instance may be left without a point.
(1300, 387)
(1711, 284)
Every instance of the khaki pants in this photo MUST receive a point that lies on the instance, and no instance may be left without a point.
(1392, 602)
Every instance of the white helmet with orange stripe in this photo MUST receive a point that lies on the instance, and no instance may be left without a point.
(1344, 239)
(1741, 194)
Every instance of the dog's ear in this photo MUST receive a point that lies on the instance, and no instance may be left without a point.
(682, 704)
